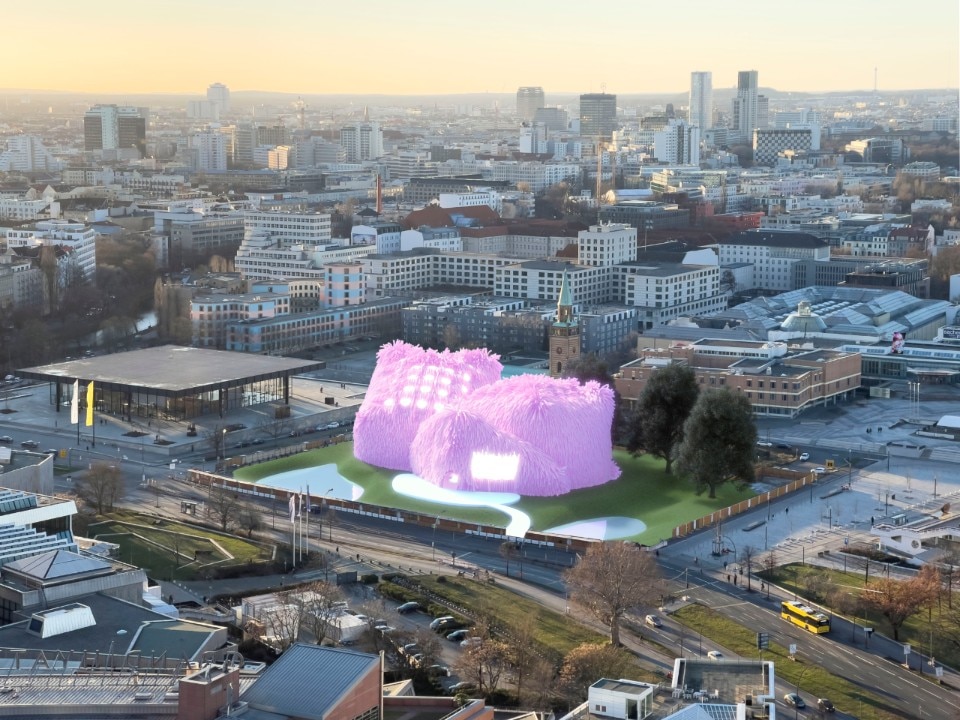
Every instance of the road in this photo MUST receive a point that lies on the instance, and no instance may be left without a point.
(383, 544)
(869, 669)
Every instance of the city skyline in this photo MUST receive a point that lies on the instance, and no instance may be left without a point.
(412, 48)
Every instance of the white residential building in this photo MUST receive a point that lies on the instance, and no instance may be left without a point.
(480, 196)
(446, 239)
(26, 153)
(288, 227)
(363, 141)
(662, 292)
(773, 255)
(606, 245)
(209, 151)
(20, 208)
(201, 109)
(678, 143)
(77, 240)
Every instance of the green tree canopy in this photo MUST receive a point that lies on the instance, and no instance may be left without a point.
(664, 406)
(719, 440)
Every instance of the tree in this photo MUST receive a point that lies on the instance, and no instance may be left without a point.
(719, 439)
(899, 600)
(249, 519)
(593, 367)
(747, 556)
(664, 406)
(587, 662)
(224, 505)
(522, 650)
(216, 438)
(100, 487)
(319, 608)
(612, 578)
(508, 549)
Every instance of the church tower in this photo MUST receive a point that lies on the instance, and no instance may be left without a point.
(565, 332)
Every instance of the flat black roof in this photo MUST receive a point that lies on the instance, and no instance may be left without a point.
(171, 370)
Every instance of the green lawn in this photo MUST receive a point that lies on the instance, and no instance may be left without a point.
(643, 491)
(154, 545)
(854, 699)
(820, 585)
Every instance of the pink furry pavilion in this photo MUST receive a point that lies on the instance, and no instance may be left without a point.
(443, 417)
(409, 385)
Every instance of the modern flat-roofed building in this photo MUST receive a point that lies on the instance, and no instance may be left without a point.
(529, 100)
(598, 115)
(112, 127)
(777, 381)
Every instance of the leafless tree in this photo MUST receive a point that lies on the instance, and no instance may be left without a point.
(508, 549)
(216, 438)
(522, 650)
(747, 557)
(100, 487)
(613, 578)
(224, 505)
(319, 600)
(249, 519)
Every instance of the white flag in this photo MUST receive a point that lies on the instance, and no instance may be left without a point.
(293, 508)
(75, 403)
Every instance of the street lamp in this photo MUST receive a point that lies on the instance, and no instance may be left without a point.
(796, 708)
(433, 539)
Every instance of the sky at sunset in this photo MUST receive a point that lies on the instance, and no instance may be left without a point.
(434, 47)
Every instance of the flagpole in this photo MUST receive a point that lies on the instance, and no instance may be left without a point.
(308, 520)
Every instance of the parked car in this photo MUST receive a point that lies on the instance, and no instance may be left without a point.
(30, 444)
(329, 426)
(408, 607)
(438, 671)
(437, 622)
(794, 700)
(783, 446)
(384, 629)
(715, 655)
(820, 470)
(804, 457)
(410, 649)
(470, 642)
(457, 635)
(6, 439)
(825, 706)
(653, 621)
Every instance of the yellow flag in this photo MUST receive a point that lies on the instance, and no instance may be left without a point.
(89, 404)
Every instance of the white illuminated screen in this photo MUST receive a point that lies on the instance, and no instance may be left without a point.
(496, 467)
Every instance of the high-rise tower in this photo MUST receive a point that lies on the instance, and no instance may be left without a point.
(598, 115)
(701, 100)
(565, 332)
(109, 127)
(219, 95)
(750, 110)
(529, 100)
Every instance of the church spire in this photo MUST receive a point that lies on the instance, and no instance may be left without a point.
(565, 302)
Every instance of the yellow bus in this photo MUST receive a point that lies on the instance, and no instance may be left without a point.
(804, 616)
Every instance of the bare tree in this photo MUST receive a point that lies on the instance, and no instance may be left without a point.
(249, 519)
(611, 579)
(216, 438)
(283, 620)
(484, 664)
(100, 487)
(770, 564)
(747, 557)
(508, 549)
(224, 505)
(522, 650)
(320, 608)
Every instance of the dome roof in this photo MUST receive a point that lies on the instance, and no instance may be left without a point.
(803, 320)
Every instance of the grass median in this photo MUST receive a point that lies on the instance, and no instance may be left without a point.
(852, 697)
